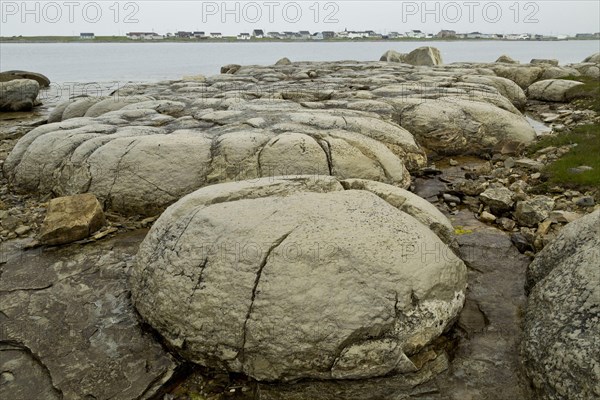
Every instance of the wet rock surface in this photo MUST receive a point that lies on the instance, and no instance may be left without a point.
(69, 327)
(92, 342)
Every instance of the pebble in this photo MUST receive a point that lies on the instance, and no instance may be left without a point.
(448, 198)
(453, 162)
(564, 216)
(509, 162)
(22, 230)
(580, 170)
(507, 224)
(587, 201)
(487, 217)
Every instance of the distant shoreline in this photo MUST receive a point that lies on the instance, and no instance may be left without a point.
(119, 39)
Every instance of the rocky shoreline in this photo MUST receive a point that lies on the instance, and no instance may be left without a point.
(335, 136)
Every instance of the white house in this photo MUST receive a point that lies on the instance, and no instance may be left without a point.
(198, 35)
(258, 34)
(87, 36)
(317, 36)
(357, 35)
(304, 35)
(415, 34)
(216, 35)
(243, 36)
(143, 36)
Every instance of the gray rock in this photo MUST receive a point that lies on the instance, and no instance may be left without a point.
(421, 56)
(69, 330)
(586, 201)
(18, 95)
(591, 70)
(458, 126)
(448, 198)
(7, 76)
(522, 75)
(594, 58)
(499, 200)
(138, 160)
(551, 90)
(528, 163)
(57, 112)
(560, 347)
(487, 217)
(79, 107)
(507, 224)
(533, 211)
(564, 216)
(521, 242)
(505, 87)
(425, 55)
(392, 56)
(509, 162)
(283, 61)
(114, 104)
(544, 61)
(230, 68)
(506, 59)
(267, 303)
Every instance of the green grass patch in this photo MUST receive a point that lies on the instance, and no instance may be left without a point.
(586, 151)
(587, 95)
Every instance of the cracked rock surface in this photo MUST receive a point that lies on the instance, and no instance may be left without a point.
(69, 330)
(561, 348)
(148, 145)
(283, 279)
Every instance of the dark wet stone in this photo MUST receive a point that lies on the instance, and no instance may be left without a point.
(429, 189)
(69, 330)
(521, 242)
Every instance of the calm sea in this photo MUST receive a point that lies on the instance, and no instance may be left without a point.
(105, 62)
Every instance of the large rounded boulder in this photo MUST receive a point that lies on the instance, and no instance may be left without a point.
(426, 56)
(145, 156)
(18, 95)
(551, 90)
(562, 322)
(450, 125)
(283, 279)
(42, 80)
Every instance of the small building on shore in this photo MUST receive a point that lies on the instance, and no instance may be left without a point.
(258, 34)
(243, 36)
(144, 36)
(87, 36)
(446, 33)
(304, 35)
(216, 35)
(198, 35)
(416, 34)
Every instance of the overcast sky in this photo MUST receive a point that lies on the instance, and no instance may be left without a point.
(117, 18)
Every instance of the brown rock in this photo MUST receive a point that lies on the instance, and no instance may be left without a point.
(71, 218)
